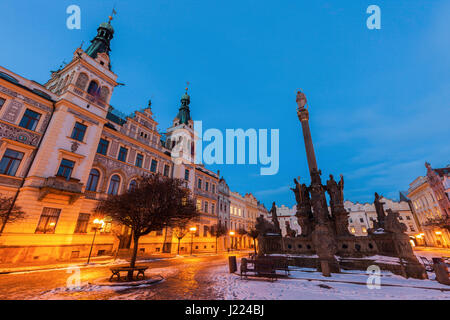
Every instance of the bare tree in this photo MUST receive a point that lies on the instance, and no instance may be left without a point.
(156, 202)
(180, 230)
(218, 231)
(9, 212)
(254, 233)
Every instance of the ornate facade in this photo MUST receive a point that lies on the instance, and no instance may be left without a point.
(430, 202)
(63, 148)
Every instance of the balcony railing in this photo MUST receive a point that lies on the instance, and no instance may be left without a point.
(89, 97)
(60, 185)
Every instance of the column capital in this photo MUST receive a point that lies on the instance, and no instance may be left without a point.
(303, 114)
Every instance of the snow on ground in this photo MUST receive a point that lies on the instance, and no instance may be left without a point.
(308, 284)
(70, 292)
(56, 267)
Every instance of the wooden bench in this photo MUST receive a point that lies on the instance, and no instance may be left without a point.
(117, 270)
(281, 264)
(262, 268)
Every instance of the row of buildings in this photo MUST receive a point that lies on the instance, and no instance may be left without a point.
(63, 148)
(424, 209)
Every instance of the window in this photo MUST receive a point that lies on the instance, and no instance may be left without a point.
(10, 162)
(213, 188)
(107, 226)
(361, 220)
(66, 168)
(104, 93)
(199, 183)
(2, 102)
(408, 217)
(206, 186)
(92, 182)
(93, 88)
(353, 230)
(205, 231)
(82, 223)
(364, 230)
(123, 154)
(206, 206)
(49, 219)
(166, 170)
(30, 119)
(103, 146)
(186, 174)
(153, 166)
(82, 81)
(114, 185)
(132, 186)
(213, 208)
(79, 130)
(139, 160)
(199, 205)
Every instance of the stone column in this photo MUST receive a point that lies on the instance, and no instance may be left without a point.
(303, 116)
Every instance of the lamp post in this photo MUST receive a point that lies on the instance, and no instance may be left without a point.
(231, 236)
(98, 224)
(192, 230)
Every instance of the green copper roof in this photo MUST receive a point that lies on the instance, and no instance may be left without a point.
(184, 114)
(101, 43)
(107, 25)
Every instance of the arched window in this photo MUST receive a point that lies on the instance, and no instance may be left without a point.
(93, 180)
(104, 93)
(114, 185)
(82, 81)
(132, 186)
(93, 88)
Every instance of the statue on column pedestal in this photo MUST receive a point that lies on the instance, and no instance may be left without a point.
(289, 232)
(340, 215)
(318, 199)
(381, 215)
(304, 212)
(275, 221)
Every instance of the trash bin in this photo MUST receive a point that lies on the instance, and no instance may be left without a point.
(232, 264)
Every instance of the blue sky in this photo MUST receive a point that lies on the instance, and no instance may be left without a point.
(379, 99)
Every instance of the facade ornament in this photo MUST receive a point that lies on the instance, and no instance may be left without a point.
(74, 146)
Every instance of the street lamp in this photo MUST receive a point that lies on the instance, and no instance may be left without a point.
(192, 230)
(98, 224)
(231, 235)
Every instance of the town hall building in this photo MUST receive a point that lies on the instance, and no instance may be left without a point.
(63, 148)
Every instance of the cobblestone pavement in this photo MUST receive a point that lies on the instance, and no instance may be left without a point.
(185, 278)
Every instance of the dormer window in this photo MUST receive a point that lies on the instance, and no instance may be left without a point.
(102, 63)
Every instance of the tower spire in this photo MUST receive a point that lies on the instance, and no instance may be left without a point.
(102, 41)
(184, 114)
